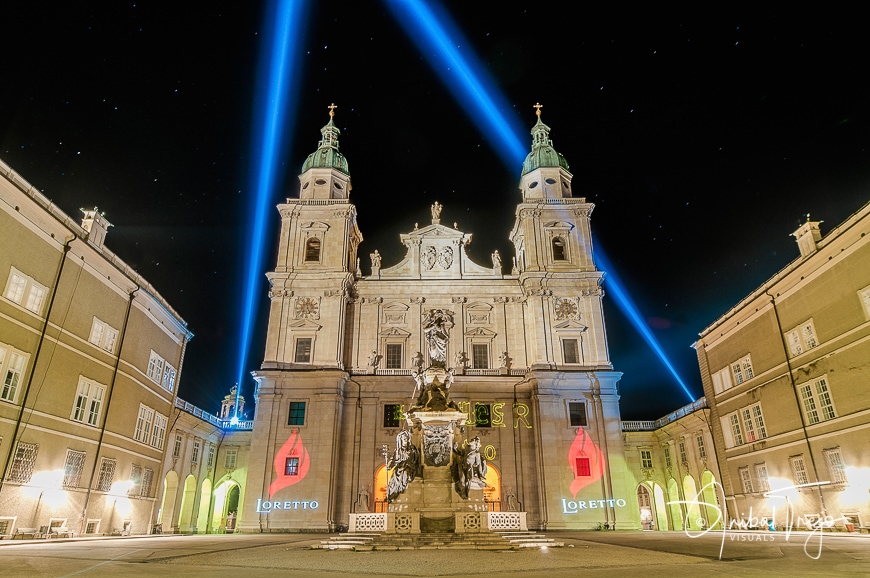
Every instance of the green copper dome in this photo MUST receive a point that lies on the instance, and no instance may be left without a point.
(327, 156)
(543, 154)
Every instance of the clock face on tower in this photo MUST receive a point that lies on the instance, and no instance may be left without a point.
(566, 308)
(307, 308)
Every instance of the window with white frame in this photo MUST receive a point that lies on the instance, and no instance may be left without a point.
(12, 362)
(577, 414)
(194, 456)
(107, 474)
(753, 423)
(103, 335)
(23, 290)
(72, 468)
(722, 380)
(731, 430)
(799, 470)
(22, 463)
(230, 458)
(742, 370)
(864, 295)
(176, 450)
(93, 526)
(836, 466)
(646, 460)
(158, 432)
(169, 374)
(745, 479)
(761, 477)
(802, 338)
(89, 402)
(155, 368)
(143, 424)
(816, 397)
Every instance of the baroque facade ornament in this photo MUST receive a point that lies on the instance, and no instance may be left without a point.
(307, 308)
(427, 257)
(445, 257)
(567, 307)
(459, 299)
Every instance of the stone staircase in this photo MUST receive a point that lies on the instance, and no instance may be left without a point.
(438, 541)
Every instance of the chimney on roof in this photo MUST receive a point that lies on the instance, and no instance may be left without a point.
(95, 223)
(807, 236)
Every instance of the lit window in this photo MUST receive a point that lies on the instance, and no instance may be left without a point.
(103, 335)
(392, 415)
(802, 338)
(72, 469)
(577, 413)
(12, 364)
(155, 367)
(303, 350)
(22, 463)
(291, 467)
(480, 355)
(583, 467)
(836, 467)
(312, 249)
(89, 401)
(107, 474)
(570, 351)
(761, 476)
(297, 413)
(23, 290)
(799, 470)
(646, 459)
(746, 480)
(143, 424)
(816, 397)
(394, 356)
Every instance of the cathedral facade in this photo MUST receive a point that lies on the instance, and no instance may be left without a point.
(526, 349)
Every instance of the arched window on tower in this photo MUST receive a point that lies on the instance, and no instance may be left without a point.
(312, 249)
(559, 249)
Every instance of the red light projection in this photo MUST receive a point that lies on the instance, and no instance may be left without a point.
(291, 450)
(586, 461)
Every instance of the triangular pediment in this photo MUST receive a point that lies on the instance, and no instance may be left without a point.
(304, 324)
(571, 324)
(480, 332)
(394, 332)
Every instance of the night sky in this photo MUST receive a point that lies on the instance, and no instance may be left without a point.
(701, 139)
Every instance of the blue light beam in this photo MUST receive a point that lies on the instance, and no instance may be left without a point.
(274, 101)
(435, 35)
(629, 309)
(444, 47)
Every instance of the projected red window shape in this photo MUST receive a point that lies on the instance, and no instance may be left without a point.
(586, 461)
(291, 463)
